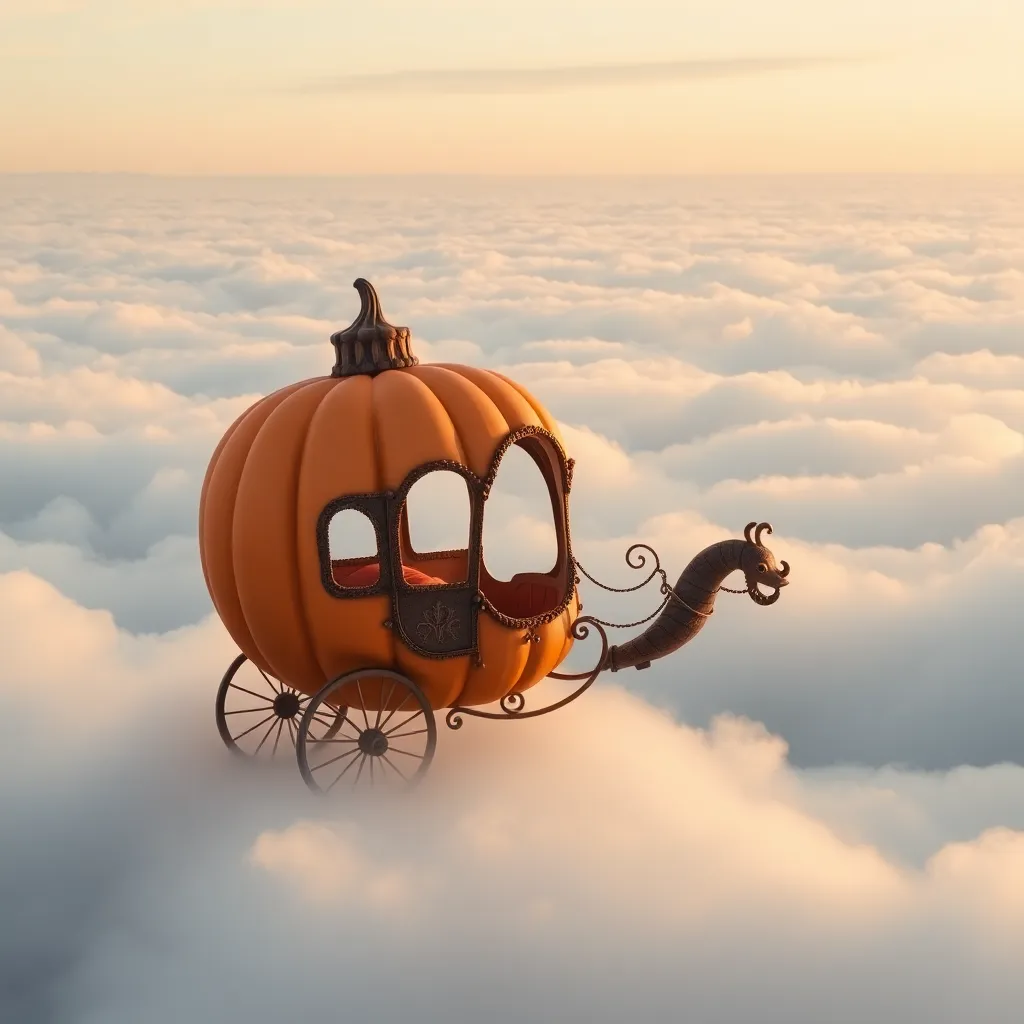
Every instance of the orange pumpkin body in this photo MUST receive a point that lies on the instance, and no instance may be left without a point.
(295, 451)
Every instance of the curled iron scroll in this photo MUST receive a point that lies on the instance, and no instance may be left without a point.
(513, 704)
(640, 563)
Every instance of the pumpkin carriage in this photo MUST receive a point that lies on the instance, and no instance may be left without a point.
(348, 657)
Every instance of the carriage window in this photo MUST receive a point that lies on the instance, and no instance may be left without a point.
(437, 510)
(353, 545)
(435, 530)
(519, 523)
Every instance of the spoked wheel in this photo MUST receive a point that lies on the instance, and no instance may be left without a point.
(254, 712)
(386, 737)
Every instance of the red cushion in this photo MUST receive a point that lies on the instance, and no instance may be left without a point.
(367, 575)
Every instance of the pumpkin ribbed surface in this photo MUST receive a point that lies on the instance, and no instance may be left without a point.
(290, 454)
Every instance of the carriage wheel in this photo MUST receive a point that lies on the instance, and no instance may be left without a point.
(256, 711)
(387, 734)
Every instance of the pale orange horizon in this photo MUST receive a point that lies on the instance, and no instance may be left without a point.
(531, 87)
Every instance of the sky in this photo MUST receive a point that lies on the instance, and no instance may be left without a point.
(814, 811)
(312, 87)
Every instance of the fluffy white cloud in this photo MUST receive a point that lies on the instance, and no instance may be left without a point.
(830, 807)
(622, 862)
(726, 351)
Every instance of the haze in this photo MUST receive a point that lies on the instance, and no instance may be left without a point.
(685, 229)
(511, 86)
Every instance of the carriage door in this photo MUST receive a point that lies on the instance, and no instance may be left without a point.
(435, 517)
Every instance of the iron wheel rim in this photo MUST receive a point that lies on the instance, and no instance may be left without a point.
(274, 700)
(367, 752)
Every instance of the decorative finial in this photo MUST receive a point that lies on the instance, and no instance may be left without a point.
(370, 344)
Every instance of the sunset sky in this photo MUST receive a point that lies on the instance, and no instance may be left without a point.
(814, 811)
(511, 86)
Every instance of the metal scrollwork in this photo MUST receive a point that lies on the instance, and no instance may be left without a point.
(640, 562)
(513, 704)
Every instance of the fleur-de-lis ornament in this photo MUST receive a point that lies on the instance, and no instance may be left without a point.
(439, 624)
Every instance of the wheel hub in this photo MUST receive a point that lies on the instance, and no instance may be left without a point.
(373, 742)
(286, 705)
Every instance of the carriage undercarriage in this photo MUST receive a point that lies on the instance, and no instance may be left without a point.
(373, 726)
(376, 726)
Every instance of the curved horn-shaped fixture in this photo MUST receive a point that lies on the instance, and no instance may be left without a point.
(691, 601)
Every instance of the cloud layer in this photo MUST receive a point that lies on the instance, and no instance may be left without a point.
(815, 810)
(617, 861)
(834, 357)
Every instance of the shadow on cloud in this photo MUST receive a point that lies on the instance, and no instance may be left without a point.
(606, 862)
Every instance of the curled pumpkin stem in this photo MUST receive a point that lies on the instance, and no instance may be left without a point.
(370, 345)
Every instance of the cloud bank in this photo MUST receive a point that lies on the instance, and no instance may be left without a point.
(607, 862)
(834, 357)
(814, 810)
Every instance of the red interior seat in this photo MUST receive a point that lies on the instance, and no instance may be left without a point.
(368, 574)
(522, 597)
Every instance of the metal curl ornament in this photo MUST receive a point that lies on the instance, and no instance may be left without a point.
(642, 558)
(640, 563)
(513, 704)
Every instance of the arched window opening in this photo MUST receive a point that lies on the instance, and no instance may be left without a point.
(523, 574)
(352, 542)
(435, 525)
